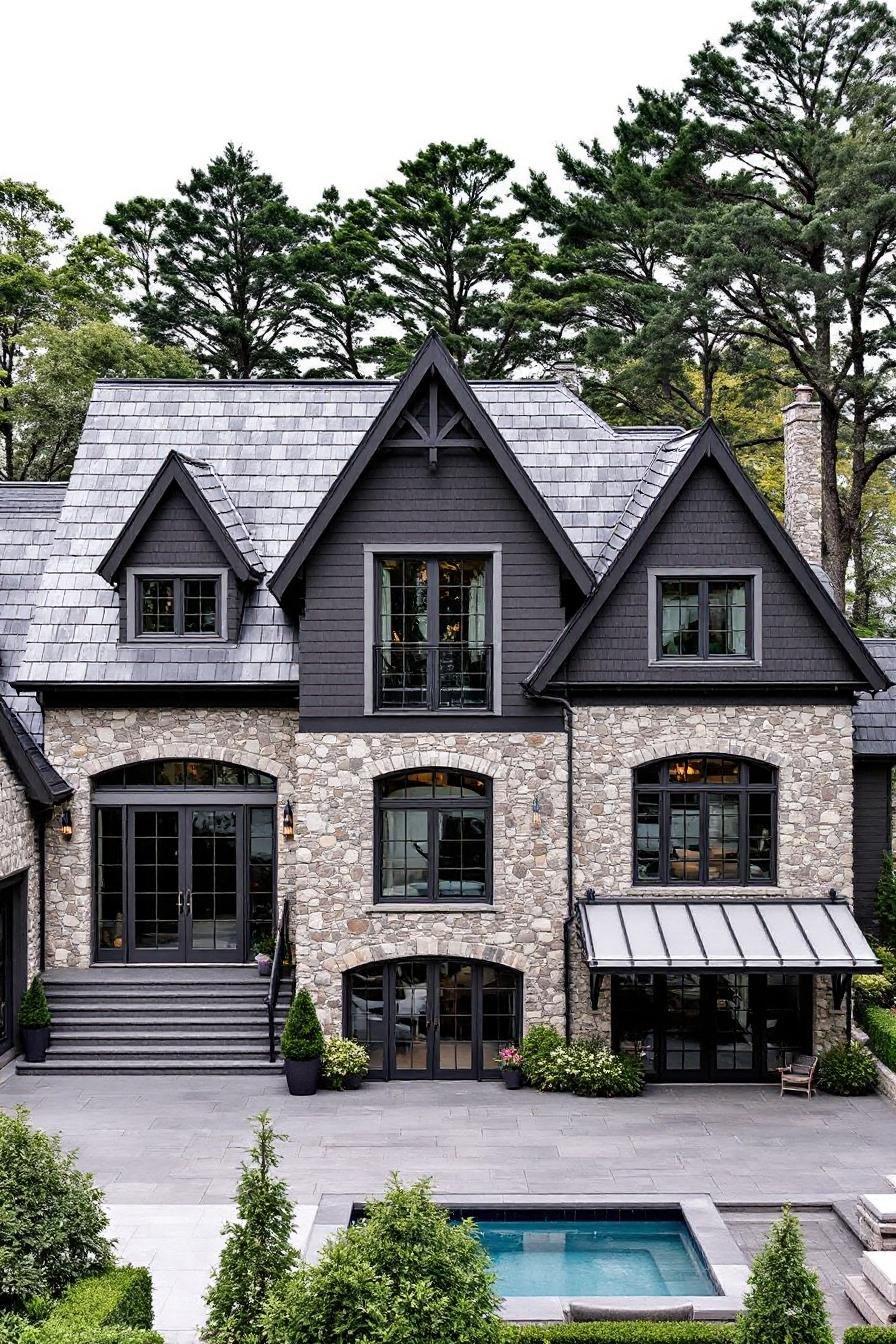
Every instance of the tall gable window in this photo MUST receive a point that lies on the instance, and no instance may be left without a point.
(705, 819)
(434, 623)
(704, 618)
(171, 607)
(433, 837)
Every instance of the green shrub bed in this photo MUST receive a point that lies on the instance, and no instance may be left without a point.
(110, 1308)
(869, 1334)
(847, 1070)
(880, 1024)
(584, 1066)
(625, 1332)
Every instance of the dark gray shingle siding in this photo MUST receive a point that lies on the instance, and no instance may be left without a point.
(874, 718)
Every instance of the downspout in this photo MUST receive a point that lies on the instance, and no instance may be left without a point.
(42, 889)
(570, 904)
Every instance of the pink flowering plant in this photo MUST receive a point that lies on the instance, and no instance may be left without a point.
(510, 1058)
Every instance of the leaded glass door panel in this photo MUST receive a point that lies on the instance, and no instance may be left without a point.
(213, 905)
(158, 931)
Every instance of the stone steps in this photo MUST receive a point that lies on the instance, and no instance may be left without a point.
(126, 1020)
(872, 1305)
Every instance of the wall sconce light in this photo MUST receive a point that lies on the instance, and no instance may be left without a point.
(536, 815)
(66, 829)
(288, 827)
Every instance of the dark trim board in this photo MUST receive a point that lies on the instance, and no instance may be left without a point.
(236, 695)
(704, 692)
(14, 913)
(448, 722)
(433, 357)
(44, 786)
(710, 446)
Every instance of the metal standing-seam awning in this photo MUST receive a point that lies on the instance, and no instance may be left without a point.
(643, 937)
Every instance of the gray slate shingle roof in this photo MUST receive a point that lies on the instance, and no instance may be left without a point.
(874, 717)
(275, 449)
(213, 489)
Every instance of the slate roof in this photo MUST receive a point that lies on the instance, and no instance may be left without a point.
(215, 492)
(28, 517)
(275, 448)
(874, 716)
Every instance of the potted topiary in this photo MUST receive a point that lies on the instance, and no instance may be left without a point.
(345, 1063)
(34, 1022)
(302, 1045)
(510, 1062)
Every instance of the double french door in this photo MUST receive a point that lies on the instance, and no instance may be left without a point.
(433, 1019)
(186, 883)
(728, 1027)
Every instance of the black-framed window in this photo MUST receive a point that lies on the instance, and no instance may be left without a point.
(178, 773)
(705, 820)
(705, 617)
(434, 633)
(434, 837)
(172, 607)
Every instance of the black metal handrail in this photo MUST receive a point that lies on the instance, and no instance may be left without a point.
(280, 948)
(450, 675)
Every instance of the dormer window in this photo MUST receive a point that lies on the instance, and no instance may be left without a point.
(175, 606)
(705, 616)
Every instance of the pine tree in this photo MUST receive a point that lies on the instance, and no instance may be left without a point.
(785, 1304)
(258, 1253)
(343, 292)
(451, 253)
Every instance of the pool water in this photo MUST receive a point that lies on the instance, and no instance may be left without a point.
(595, 1258)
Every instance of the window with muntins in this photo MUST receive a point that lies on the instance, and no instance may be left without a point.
(705, 618)
(433, 622)
(171, 607)
(433, 837)
(705, 819)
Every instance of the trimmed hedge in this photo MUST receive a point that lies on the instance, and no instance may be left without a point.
(880, 1024)
(869, 1334)
(110, 1308)
(626, 1332)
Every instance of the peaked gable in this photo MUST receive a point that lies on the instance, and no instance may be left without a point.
(208, 499)
(432, 406)
(847, 659)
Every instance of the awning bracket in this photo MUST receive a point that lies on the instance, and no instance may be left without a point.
(840, 982)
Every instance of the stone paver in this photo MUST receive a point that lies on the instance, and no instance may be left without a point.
(160, 1142)
(831, 1249)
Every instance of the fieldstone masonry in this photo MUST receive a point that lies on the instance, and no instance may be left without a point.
(327, 870)
(802, 473)
(18, 849)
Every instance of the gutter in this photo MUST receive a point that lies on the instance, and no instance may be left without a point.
(570, 818)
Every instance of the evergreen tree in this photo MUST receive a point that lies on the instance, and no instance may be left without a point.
(451, 253)
(797, 239)
(885, 901)
(785, 1304)
(258, 1254)
(219, 270)
(342, 294)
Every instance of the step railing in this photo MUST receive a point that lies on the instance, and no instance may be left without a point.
(281, 947)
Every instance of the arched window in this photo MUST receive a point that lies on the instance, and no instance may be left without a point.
(433, 837)
(705, 819)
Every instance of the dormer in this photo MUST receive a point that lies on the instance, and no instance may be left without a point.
(184, 561)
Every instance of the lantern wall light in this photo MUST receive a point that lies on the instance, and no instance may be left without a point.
(288, 825)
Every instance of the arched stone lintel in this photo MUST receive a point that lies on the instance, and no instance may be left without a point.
(164, 750)
(409, 948)
(709, 745)
(433, 759)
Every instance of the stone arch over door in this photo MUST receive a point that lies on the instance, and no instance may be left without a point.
(412, 948)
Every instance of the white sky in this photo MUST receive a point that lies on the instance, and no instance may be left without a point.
(105, 99)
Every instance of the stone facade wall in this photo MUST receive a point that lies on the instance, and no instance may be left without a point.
(811, 746)
(18, 851)
(84, 742)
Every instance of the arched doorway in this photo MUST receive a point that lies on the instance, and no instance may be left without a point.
(184, 861)
(429, 1017)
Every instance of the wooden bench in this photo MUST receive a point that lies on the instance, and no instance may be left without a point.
(799, 1075)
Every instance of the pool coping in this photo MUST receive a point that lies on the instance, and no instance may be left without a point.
(721, 1253)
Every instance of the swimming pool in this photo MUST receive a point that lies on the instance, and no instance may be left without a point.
(594, 1254)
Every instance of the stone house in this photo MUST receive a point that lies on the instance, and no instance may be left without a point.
(513, 716)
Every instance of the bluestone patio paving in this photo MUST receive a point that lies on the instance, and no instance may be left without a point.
(159, 1142)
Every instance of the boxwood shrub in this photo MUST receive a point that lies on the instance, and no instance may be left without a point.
(847, 1070)
(880, 1024)
(869, 1334)
(624, 1332)
(110, 1308)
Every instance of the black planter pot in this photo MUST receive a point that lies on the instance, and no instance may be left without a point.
(34, 1043)
(513, 1078)
(264, 967)
(353, 1082)
(302, 1076)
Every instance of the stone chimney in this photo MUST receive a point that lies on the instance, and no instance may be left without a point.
(802, 472)
(567, 371)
